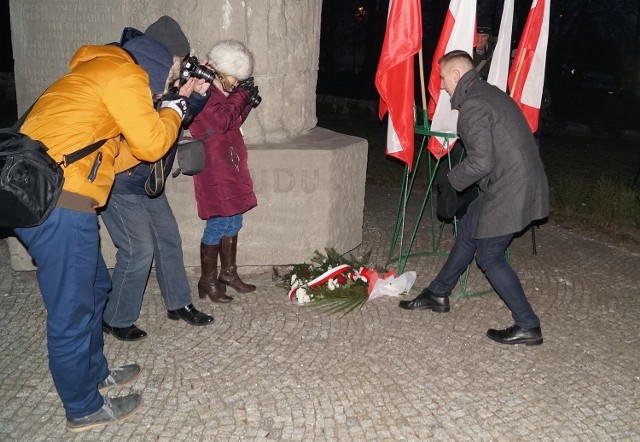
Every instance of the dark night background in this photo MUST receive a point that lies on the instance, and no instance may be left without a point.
(6, 55)
(593, 55)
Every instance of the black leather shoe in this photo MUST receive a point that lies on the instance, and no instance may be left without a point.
(191, 315)
(427, 300)
(516, 335)
(131, 333)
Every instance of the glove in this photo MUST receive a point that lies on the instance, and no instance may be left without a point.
(246, 84)
(254, 93)
(188, 118)
(175, 102)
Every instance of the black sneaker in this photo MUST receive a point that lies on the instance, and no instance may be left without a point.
(113, 410)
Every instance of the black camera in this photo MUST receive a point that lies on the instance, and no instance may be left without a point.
(255, 100)
(254, 97)
(191, 67)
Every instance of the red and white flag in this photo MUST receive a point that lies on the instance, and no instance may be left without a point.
(526, 77)
(499, 70)
(394, 77)
(458, 32)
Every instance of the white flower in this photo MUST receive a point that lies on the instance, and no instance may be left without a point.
(332, 284)
(294, 279)
(302, 296)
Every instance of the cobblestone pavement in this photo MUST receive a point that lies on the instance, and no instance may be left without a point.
(269, 370)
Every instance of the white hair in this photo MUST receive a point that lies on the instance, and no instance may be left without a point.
(231, 57)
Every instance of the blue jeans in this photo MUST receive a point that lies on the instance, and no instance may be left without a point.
(221, 226)
(490, 256)
(74, 283)
(143, 229)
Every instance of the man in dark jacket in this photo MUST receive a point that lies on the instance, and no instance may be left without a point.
(503, 159)
(483, 51)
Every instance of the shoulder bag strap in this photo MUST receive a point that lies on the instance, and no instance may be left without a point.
(79, 154)
(18, 124)
(66, 159)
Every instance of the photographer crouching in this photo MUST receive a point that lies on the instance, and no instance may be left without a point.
(138, 216)
(106, 95)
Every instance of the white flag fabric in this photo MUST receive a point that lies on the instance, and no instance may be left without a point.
(499, 70)
(526, 77)
(393, 142)
(458, 32)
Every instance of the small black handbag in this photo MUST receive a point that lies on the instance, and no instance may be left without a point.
(450, 203)
(190, 156)
(30, 180)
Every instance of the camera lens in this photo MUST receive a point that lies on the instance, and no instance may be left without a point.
(203, 73)
(191, 68)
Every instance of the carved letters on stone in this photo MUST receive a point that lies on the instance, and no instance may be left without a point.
(285, 180)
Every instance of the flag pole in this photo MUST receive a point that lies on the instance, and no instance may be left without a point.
(519, 69)
(422, 89)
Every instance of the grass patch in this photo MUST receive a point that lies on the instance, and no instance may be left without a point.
(612, 202)
(569, 194)
(591, 178)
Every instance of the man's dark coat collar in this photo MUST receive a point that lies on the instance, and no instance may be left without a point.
(463, 87)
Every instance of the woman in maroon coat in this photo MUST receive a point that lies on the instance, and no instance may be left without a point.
(224, 189)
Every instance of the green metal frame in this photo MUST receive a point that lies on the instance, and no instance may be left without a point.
(404, 251)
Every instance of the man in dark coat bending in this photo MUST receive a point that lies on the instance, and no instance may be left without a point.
(503, 159)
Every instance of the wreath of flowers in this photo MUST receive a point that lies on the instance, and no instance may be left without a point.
(331, 281)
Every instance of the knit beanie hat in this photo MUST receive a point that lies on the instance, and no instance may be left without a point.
(168, 32)
(154, 58)
(231, 57)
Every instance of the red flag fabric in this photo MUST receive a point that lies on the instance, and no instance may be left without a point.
(394, 77)
(526, 77)
(458, 32)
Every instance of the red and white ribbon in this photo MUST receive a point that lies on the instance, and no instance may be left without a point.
(292, 293)
(328, 275)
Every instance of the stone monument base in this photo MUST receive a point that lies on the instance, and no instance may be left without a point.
(310, 196)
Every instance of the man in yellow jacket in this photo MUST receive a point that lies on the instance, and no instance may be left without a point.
(106, 95)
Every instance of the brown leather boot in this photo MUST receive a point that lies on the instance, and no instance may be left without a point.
(228, 270)
(208, 284)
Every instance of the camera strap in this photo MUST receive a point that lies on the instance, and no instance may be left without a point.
(155, 182)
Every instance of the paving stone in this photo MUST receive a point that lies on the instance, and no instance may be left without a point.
(267, 369)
